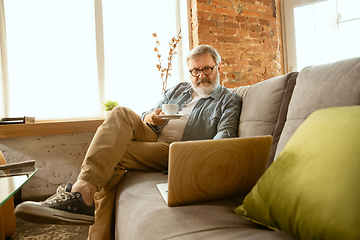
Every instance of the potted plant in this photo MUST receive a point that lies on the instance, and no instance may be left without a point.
(108, 105)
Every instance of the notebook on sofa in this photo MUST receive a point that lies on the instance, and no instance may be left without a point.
(208, 170)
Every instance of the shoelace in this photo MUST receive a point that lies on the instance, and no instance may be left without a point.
(61, 195)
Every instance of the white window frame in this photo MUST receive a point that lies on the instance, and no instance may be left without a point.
(182, 22)
(288, 26)
(4, 87)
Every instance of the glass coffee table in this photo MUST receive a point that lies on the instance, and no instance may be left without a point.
(13, 177)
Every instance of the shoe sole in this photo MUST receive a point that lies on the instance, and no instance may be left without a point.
(34, 212)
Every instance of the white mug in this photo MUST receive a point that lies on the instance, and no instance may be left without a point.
(170, 109)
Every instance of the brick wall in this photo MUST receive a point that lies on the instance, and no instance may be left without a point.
(245, 33)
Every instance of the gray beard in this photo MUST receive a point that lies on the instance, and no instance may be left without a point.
(206, 90)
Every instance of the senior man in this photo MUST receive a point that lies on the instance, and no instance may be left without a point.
(126, 142)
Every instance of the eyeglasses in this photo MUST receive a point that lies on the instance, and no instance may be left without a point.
(206, 71)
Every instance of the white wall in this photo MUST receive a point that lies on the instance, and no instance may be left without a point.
(58, 159)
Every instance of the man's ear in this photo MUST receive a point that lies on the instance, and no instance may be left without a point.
(219, 67)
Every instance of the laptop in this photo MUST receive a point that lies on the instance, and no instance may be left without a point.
(208, 170)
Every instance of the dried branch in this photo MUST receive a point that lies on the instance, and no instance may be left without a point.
(165, 72)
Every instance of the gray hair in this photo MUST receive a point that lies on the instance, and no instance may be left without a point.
(201, 50)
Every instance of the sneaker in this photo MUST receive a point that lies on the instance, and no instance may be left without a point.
(63, 207)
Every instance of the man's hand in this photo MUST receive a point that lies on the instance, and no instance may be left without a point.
(154, 119)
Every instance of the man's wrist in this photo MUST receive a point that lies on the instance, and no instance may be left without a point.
(146, 118)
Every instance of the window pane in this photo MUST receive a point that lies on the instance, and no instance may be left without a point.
(303, 17)
(324, 31)
(52, 58)
(326, 44)
(325, 13)
(305, 48)
(349, 39)
(348, 9)
(131, 75)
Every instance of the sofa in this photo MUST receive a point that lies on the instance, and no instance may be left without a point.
(279, 206)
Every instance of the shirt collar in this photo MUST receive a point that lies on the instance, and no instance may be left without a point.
(189, 89)
(217, 92)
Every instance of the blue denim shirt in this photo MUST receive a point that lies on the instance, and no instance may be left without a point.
(214, 117)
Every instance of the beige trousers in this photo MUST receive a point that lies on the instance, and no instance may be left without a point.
(123, 142)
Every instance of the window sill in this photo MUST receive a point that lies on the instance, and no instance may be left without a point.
(49, 128)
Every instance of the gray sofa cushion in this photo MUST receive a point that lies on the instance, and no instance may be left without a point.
(264, 108)
(141, 213)
(329, 85)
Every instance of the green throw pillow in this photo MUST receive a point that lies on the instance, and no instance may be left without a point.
(312, 190)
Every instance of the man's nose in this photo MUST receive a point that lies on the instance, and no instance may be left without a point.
(202, 74)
